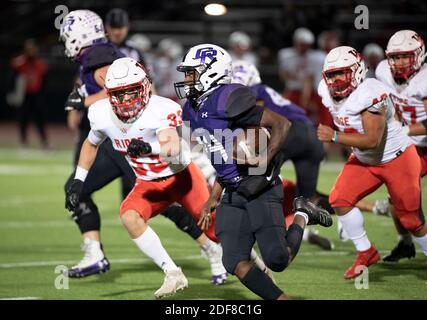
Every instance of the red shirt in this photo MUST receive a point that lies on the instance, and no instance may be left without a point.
(33, 70)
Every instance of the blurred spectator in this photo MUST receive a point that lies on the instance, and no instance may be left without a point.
(169, 55)
(117, 28)
(30, 72)
(327, 40)
(240, 45)
(143, 44)
(373, 54)
(296, 65)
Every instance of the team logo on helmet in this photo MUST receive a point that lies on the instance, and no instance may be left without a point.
(204, 53)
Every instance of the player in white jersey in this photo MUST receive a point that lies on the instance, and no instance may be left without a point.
(405, 73)
(364, 114)
(144, 129)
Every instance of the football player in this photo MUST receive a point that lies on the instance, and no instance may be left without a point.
(364, 114)
(143, 127)
(84, 39)
(250, 208)
(405, 73)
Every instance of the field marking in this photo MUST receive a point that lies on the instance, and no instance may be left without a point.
(21, 298)
(139, 260)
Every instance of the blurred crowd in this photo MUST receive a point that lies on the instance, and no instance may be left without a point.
(298, 68)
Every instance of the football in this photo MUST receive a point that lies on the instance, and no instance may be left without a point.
(249, 144)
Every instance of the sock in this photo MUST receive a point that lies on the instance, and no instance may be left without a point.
(294, 239)
(259, 263)
(305, 234)
(208, 245)
(405, 238)
(261, 284)
(353, 225)
(149, 243)
(302, 214)
(422, 241)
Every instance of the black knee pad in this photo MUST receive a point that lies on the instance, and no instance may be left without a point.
(183, 220)
(87, 215)
(230, 263)
(276, 260)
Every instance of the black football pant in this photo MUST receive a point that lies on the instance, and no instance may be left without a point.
(306, 152)
(239, 223)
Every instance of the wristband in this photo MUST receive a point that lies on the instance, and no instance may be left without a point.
(81, 174)
(335, 137)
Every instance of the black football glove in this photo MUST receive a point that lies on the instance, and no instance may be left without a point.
(72, 197)
(137, 148)
(75, 100)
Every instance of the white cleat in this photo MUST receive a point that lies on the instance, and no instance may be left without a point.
(174, 280)
(214, 254)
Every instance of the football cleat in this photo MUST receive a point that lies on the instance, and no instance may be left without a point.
(93, 262)
(318, 240)
(363, 260)
(400, 251)
(316, 215)
(214, 254)
(174, 280)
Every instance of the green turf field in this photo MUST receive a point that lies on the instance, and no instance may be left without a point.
(37, 236)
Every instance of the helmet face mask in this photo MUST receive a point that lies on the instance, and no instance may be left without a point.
(405, 54)
(128, 88)
(127, 103)
(339, 82)
(343, 71)
(192, 88)
(402, 64)
(205, 66)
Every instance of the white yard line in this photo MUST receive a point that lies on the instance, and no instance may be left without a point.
(21, 298)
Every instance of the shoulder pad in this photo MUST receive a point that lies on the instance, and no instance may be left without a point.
(102, 55)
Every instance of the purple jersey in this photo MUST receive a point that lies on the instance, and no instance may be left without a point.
(215, 123)
(96, 56)
(275, 102)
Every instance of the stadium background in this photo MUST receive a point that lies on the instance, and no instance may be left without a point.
(34, 231)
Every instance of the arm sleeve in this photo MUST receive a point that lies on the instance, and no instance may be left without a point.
(96, 137)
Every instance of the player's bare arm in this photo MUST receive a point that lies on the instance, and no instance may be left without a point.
(210, 205)
(373, 125)
(279, 128)
(87, 155)
(170, 145)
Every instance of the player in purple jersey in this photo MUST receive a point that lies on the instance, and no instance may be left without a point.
(251, 207)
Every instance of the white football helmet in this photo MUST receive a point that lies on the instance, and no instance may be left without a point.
(128, 87)
(405, 43)
(211, 66)
(245, 73)
(80, 29)
(344, 60)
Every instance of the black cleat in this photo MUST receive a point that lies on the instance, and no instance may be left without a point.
(402, 250)
(320, 241)
(316, 215)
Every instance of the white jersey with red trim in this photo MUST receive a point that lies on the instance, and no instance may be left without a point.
(160, 113)
(407, 97)
(373, 96)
